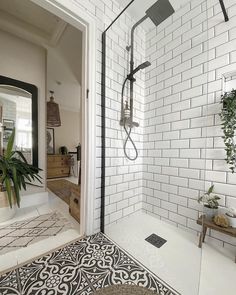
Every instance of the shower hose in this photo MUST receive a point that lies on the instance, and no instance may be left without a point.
(128, 132)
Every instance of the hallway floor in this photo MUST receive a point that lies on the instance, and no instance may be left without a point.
(72, 179)
(19, 256)
(179, 261)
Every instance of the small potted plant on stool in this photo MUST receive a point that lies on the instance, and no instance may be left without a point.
(210, 202)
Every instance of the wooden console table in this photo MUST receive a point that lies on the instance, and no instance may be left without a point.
(206, 223)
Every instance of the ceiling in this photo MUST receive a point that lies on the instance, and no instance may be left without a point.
(137, 9)
(30, 21)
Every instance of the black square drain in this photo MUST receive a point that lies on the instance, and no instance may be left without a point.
(155, 240)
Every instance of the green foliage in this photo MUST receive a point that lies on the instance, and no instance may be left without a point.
(209, 200)
(228, 117)
(15, 172)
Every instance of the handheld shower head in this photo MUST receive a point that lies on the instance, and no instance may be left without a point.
(140, 67)
(144, 65)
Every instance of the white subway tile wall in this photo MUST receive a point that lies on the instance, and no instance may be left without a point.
(123, 179)
(176, 104)
(194, 49)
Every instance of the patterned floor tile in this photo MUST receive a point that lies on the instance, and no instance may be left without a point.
(80, 269)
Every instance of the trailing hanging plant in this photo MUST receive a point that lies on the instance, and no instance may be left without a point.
(228, 117)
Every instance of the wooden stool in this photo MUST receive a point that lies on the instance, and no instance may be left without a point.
(206, 223)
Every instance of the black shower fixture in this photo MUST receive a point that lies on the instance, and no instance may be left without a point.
(224, 10)
(157, 13)
(140, 67)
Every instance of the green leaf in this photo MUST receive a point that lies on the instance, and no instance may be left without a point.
(16, 186)
(210, 190)
(10, 144)
(21, 155)
(9, 192)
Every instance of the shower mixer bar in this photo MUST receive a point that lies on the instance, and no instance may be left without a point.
(157, 13)
(129, 121)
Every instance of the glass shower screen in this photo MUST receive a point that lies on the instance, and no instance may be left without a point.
(153, 155)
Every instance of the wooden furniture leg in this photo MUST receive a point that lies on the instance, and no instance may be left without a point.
(202, 236)
(204, 233)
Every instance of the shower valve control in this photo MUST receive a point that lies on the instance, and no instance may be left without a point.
(127, 122)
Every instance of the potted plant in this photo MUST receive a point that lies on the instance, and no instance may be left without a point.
(231, 215)
(210, 202)
(63, 150)
(15, 174)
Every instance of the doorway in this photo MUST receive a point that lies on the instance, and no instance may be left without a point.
(88, 119)
(63, 119)
(73, 15)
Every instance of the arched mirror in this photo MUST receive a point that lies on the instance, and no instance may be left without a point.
(19, 109)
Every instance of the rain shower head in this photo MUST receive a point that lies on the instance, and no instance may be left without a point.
(160, 11)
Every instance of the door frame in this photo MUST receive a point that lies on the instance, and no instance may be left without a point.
(75, 16)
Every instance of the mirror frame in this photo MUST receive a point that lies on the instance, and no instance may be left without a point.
(33, 90)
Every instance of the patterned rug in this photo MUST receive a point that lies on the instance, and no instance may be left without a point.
(81, 268)
(62, 188)
(23, 233)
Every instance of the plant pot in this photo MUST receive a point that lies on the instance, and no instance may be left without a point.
(6, 212)
(232, 220)
(210, 212)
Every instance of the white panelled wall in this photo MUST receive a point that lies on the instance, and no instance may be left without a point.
(185, 150)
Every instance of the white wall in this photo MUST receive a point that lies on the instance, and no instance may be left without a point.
(72, 54)
(123, 177)
(24, 61)
(186, 152)
(64, 69)
(68, 134)
(172, 149)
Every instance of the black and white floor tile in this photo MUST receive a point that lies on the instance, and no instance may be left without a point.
(80, 268)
